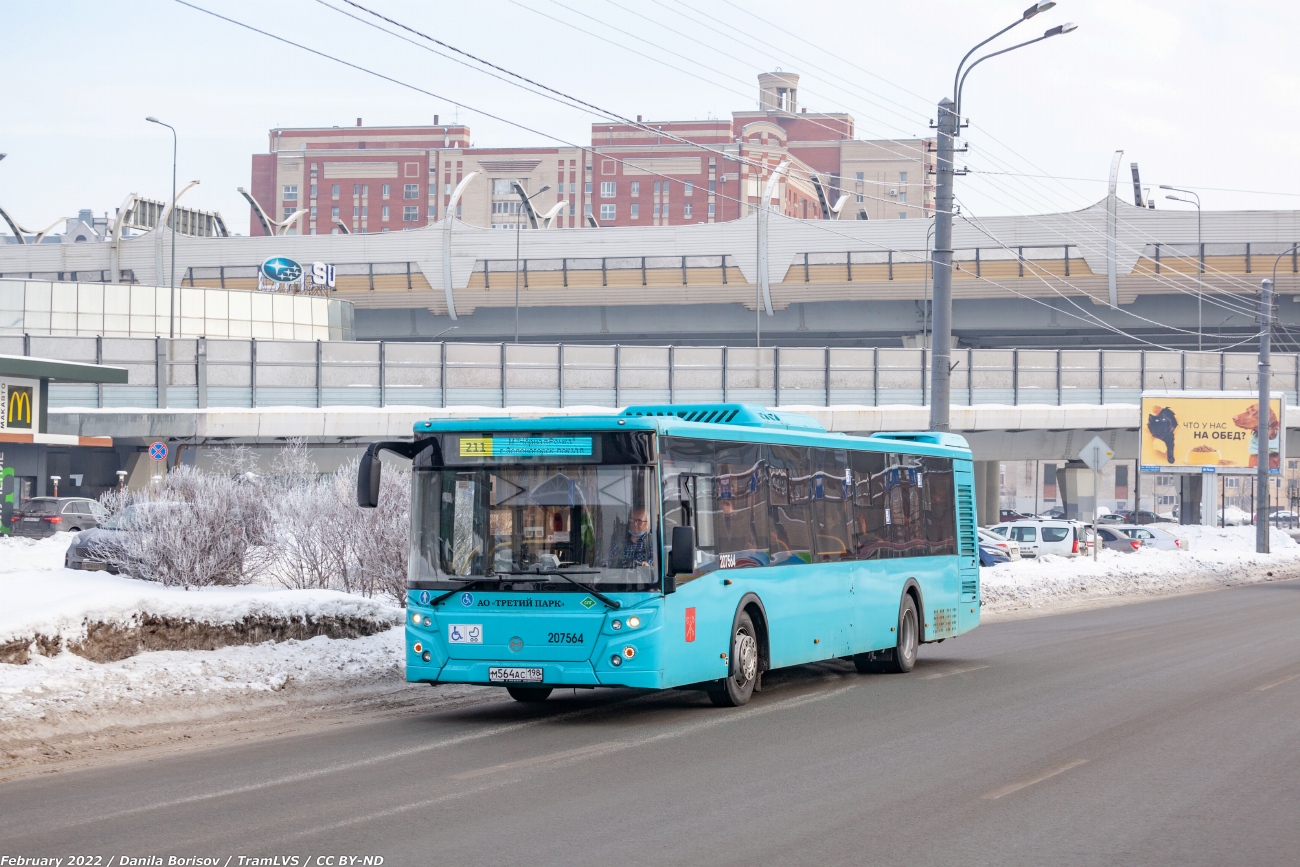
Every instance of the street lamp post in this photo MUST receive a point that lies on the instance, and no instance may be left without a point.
(1200, 253)
(525, 208)
(1262, 454)
(948, 127)
(171, 217)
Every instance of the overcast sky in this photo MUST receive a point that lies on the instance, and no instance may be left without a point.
(1200, 94)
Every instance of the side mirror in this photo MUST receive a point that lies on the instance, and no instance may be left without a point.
(681, 557)
(368, 474)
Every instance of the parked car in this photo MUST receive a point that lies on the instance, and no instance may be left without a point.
(1045, 537)
(1231, 516)
(1012, 515)
(991, 555)
(1010, 546)
(1142, 516)
(1156, 537)
(89, 546)
(1113, 538)
(44, 516)
(1055, 512)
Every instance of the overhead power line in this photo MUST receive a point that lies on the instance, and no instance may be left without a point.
(821, 225)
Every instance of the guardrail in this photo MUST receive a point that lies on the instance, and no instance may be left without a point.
(209, 372)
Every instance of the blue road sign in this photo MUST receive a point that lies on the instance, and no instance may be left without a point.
(158, 451)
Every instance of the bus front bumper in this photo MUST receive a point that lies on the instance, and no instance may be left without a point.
(554, 674)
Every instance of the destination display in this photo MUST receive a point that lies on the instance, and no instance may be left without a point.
(524, 447)
(1207, 434)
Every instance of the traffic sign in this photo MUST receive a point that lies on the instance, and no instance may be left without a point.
(1096, 454)
(158, 451)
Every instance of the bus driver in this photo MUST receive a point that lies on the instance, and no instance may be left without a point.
(636, 542)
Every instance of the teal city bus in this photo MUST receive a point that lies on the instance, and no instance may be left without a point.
(678, 546)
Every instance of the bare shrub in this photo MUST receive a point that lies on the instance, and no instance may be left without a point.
(384, 538)
(190, 529)
(313, 543)
(293, 526)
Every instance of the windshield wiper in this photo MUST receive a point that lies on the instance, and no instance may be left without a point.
(612, 603)
(472, 582)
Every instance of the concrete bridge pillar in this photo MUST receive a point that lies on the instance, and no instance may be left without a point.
(988, 491)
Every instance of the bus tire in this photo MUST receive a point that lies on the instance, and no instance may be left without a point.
(529, 694)
(736, 688)
(901, 658)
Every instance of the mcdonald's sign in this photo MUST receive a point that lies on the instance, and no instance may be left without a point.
(18, 408)
(18, 401)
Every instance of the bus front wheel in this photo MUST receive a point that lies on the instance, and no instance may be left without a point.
(899, 659)
(528, 693)
(736, 688)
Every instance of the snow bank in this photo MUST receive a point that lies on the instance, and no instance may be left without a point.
(1217, 556)
(61, 608)
(66, 687)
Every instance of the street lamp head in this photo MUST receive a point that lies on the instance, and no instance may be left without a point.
(544, 188)
(1036, 8)
(1068, 27)
(1165, 187)
(2, 156)
(152, 119)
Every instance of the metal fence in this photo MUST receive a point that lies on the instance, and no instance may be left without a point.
(209, 372)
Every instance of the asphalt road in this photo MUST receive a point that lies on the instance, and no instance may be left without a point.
(1166, 732)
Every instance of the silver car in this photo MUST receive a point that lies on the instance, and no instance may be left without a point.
(1115, 538)
(1156, 537)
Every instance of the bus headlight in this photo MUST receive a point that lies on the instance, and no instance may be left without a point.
(415, 618)
(428, 622)
(618, 624)
(426, 656)
(616, 660)
(634, 621)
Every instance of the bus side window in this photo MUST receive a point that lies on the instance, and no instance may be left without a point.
(869, 509)
(939, 506)
(832, 505)
(789, 531)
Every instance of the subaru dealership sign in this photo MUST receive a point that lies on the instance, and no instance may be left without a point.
(282, 274)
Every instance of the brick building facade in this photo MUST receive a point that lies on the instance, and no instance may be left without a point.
(379, 179)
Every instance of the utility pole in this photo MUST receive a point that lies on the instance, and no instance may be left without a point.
(941, 335)
(948, 126)
(1262, 431)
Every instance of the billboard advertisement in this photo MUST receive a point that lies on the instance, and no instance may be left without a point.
(1207, 434)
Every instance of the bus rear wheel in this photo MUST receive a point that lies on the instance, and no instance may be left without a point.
(736, 688)
(529, 694)
(901, 658)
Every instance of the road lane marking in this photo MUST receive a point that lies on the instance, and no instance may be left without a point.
(537, 760)
(305, 776)
(1278, 682)
(940, 674)
(576, 756)
(1025, 783)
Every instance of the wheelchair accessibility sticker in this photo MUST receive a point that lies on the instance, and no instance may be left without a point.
(465, 633)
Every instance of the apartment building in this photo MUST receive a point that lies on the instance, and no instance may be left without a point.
(381, 179)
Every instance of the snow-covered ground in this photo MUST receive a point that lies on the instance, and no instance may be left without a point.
(51, 696)
(1217, 557)
(42, 598)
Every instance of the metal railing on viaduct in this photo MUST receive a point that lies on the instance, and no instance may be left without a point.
(208, 372)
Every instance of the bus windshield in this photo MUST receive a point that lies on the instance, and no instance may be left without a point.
(512, 525)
